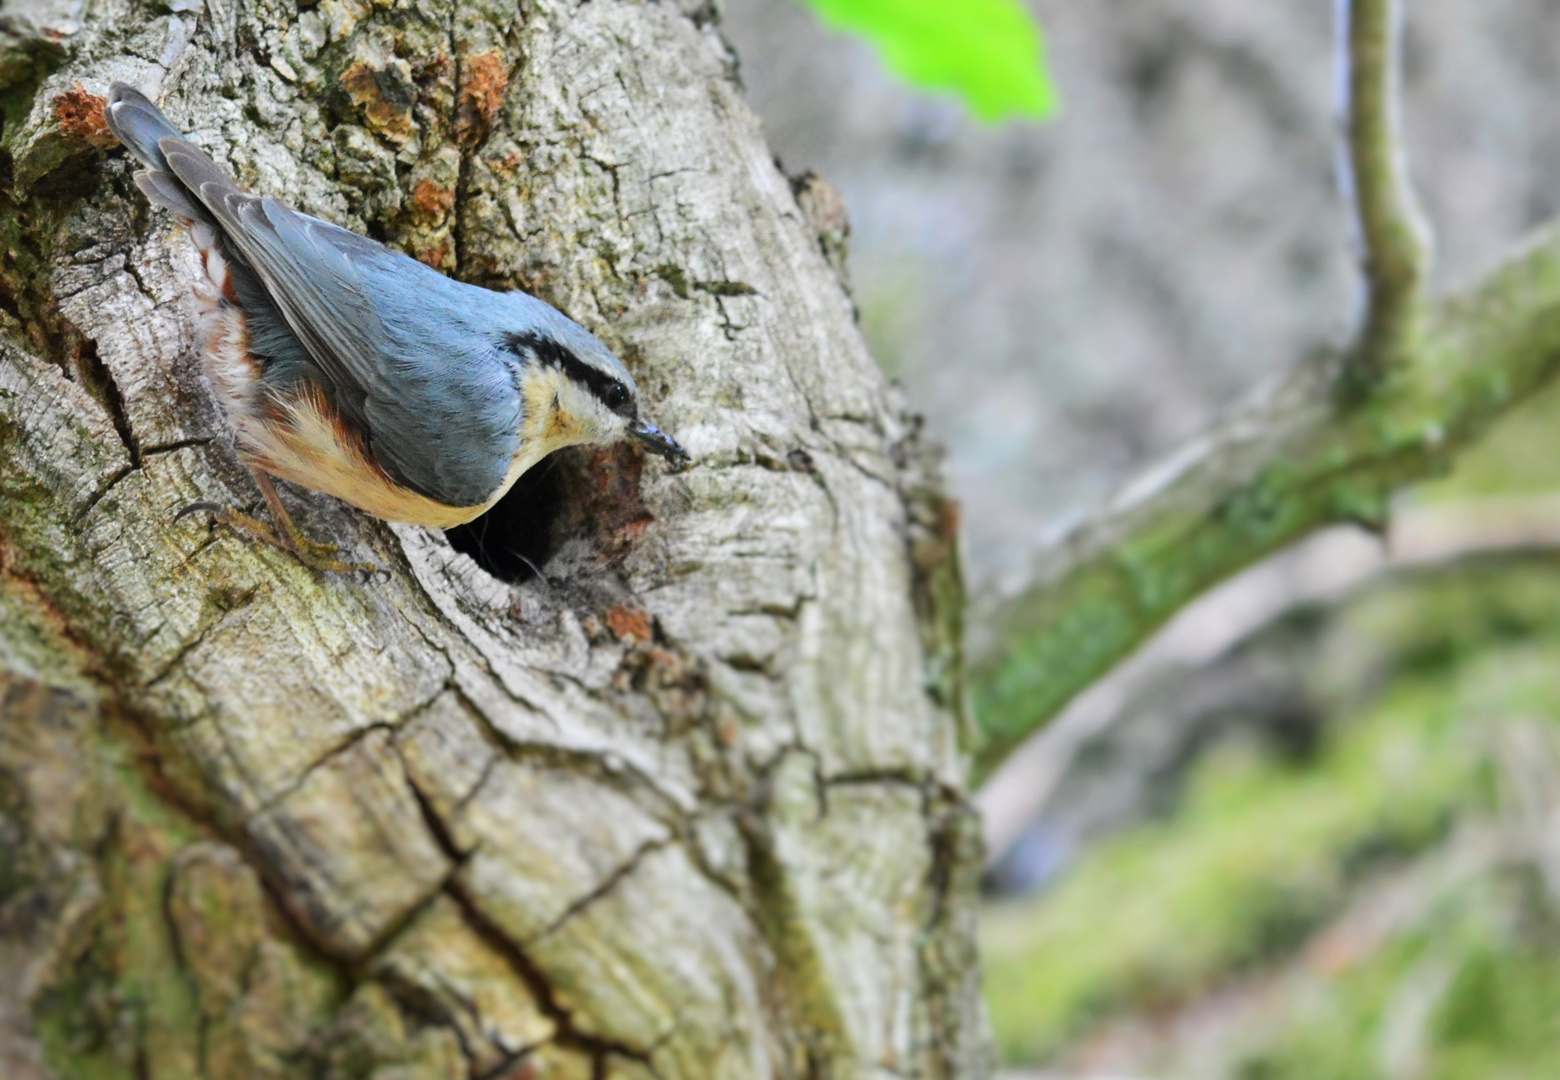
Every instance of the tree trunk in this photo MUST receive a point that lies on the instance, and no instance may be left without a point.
(689, 804)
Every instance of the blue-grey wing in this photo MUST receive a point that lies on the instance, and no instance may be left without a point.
(398, 353)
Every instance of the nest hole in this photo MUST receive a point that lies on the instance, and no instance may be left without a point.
(580, 510)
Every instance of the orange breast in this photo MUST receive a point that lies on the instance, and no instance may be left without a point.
(305, 441)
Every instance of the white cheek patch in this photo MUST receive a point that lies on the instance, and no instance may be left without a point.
(597, 423)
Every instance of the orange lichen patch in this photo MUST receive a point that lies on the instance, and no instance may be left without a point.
(484, 77)
(674, 680)
(384, 96)
(431, 202)
(440, 258)
(435, 70)
(629, 623)
(508, 163)
(606, 501)
(80, 115)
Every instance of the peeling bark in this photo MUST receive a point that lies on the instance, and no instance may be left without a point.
(687, 804)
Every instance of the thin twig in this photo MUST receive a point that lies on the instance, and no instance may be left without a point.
(1391, 234)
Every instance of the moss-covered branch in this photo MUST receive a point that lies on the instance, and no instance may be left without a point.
(1298, 458)
(1331, 444)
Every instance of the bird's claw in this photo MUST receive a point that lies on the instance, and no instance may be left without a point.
(317, 556)
(197, 508)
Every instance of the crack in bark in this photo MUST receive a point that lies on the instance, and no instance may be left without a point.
(129, 267)
(352, 974)
(395, 927)
(125, 725)
(135, 466)
(603, 766)
(605, 886)
(97, 378)
(437, 825)
(952, 831)
(514, 955)
(356, 736)
(416, 1001)
(600, 762)
(205, 545)
(183, 652)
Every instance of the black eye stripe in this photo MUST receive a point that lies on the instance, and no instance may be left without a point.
(607, 390)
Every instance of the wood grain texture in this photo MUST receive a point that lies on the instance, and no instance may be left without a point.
(430, 824)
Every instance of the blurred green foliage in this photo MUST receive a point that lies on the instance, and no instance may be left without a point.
(1246, 885)
(988, 52)
(1477, 980)
(1521, 456)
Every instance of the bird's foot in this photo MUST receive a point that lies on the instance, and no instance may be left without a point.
(237, 522)
(315, 556)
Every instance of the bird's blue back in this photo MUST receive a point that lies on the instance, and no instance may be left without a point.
(420, 366)
(435, 390)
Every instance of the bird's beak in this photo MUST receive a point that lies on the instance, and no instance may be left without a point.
(657, 441)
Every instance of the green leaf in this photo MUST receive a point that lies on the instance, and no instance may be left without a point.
(989, 52)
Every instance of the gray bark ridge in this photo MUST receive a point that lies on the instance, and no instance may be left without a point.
(695, 811)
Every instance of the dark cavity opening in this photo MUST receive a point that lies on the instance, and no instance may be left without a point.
(513, 540)
(580, 509)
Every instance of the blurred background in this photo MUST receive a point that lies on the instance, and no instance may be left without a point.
(1314, 830)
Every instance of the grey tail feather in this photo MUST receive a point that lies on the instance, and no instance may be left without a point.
(148, 135)
(198, 173)
(139, 124)
(164, 190)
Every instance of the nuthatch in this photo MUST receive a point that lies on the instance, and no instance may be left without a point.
(357, 371)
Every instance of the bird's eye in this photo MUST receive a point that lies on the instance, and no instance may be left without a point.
(617, 396)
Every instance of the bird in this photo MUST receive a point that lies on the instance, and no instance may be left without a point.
(352, 369)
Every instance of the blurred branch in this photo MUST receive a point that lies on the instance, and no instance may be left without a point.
(1528, 752)
(1295, 459)
(1390, 232)
(1323, 569)
(1329, 445)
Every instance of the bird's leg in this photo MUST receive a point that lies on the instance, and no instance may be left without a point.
(236, 521)
(286, 536)
(314, 555)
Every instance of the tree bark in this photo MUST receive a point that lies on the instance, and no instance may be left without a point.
(689, 804)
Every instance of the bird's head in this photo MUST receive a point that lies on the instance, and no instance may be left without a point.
(576, 391)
